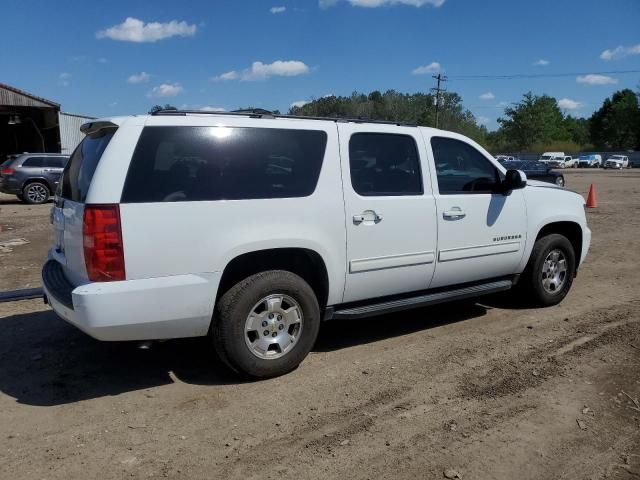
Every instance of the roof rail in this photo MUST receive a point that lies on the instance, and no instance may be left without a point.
(262, 113)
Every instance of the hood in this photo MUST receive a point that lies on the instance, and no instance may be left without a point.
(538, 183)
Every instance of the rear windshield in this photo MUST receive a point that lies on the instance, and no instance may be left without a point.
(183, 164)
(82, 165)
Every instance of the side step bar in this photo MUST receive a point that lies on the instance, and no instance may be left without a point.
(420, 301)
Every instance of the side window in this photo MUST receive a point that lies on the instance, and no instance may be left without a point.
(384, 164)
(184, 164)
(53, 162)
(461, 168)
(34, 162)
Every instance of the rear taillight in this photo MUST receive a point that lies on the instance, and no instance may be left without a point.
(102, 242)
(7, 171)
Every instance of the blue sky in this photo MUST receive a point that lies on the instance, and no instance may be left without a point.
(121, 57)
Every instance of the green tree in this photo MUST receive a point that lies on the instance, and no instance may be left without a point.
(535, 120)
(615, 126)
(157, 108)
(578, 129)
(417, 108)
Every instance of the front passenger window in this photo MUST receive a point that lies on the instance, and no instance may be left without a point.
(462, 169)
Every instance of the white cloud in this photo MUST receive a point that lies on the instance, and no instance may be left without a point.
(262, 71)
(381, 3)
(487, 96)
(620, 52)
(595, 79)
(103, 60)
(483, 120)
(203, 108)
(208, 108)
(142, 77)
(64, 79)
(423, 70)
(568, 104)
(166, 90)
(299, 103)
(503, 104)
(278, 9)
(541, 63)
(134, 30)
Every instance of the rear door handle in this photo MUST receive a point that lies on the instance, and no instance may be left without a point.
(367, 217)
(454, 214)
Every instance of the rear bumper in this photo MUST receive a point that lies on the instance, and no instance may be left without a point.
(10, 186)
(146, 309)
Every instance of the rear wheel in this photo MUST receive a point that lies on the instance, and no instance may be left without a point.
(35, 193)
(550, 271)
(265, 325)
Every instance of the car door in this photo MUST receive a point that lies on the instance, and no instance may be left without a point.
(481, 233)
(390, 211)
(52, 169)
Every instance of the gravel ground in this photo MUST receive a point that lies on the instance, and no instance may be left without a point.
(473, 391)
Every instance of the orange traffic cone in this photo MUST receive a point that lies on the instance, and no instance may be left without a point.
(591, 199)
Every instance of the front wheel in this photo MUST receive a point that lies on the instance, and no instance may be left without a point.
(265, 325)
(550, 271)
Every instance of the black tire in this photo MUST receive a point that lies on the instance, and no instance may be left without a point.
(29, 193)
(531, 283)
(228, 327)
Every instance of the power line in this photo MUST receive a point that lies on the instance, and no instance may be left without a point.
(514, 76)
(437, 90)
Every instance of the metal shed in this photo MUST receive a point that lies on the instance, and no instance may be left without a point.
(28, 123)
(70, 134)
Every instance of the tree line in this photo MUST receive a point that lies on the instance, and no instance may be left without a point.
(536, 123)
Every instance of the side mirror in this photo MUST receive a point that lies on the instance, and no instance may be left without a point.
(514, 180)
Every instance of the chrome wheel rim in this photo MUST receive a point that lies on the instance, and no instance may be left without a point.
(36, 193)
(554, 271)
(273, 326)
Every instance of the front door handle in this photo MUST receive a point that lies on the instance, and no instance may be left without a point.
(367, 217)
(455, 213)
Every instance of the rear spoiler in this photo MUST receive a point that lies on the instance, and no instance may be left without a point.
(92, 127)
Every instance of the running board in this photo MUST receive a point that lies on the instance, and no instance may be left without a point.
(420, 301)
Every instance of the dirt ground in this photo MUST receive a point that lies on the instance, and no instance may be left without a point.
(480, 391)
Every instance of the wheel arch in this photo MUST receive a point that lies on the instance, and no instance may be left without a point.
(571, 230)
(31, 180)
(304, 262)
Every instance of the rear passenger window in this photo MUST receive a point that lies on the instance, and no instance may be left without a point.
(34, 162)
(183, 164)
(384, 164)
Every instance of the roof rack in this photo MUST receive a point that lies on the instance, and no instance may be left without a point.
(262, 113)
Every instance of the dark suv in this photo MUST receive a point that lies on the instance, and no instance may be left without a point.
(32, 177)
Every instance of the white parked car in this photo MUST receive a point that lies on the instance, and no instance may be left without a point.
(590, 161)
(549, 156)
(565, 161)
(252, 228)
(617, 161)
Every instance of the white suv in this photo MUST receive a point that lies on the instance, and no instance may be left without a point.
(252, 228)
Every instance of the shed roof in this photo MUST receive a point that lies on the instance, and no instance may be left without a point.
(14, 97)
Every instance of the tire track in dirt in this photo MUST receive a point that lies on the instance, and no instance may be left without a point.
(529, 370)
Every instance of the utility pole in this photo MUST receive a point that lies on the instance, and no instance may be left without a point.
(440, 78)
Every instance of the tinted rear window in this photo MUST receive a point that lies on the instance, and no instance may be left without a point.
(82, 164)
(33, 162)
(182, 164)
